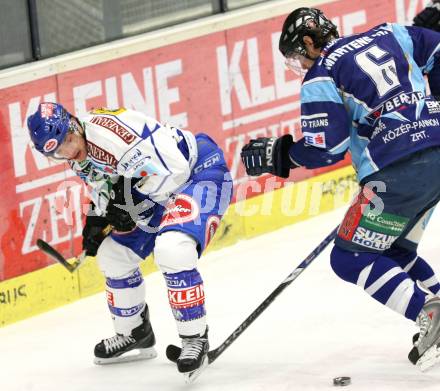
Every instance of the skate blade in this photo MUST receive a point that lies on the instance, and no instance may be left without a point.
(428, 359)
(190, 377)
(141, 354)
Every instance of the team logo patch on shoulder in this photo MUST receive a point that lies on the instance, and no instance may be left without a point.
(181, 209)
(50, 145)
(315, 139)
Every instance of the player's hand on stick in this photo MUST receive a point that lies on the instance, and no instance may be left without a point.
(93, 232)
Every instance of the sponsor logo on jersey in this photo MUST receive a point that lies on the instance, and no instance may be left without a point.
(180, 209)
(418, 136)
(101, 155)
(108, 123)
(209, 162)
(380, 127)
(433, 106)
(385, 223)
(50, 145)
(397, 102)
(211, 228)
(141, 168)
(314, 123)
(405, 128)
(354, 214)
(185, 298)
(130, 161)
(47, 110)
(137, 165)
(315, 139)
(373, 240)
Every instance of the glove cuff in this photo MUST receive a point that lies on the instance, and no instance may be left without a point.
(282, 162)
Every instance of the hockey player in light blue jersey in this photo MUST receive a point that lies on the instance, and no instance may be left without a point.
(366, 94)
(164, 191)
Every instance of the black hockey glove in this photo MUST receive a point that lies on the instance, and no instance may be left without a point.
(93, 232)
(268, 155)
(117, 214)
(429, 17)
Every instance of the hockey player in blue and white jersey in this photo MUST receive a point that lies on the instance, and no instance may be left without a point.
(164, 191)
(366, 94)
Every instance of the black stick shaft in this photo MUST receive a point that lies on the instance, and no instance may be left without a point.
(214, 354)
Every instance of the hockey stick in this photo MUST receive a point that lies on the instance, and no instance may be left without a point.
(173, 351)
(73, 264)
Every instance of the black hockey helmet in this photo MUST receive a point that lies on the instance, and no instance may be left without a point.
(305, 21)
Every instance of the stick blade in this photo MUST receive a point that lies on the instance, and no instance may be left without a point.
(54, 254)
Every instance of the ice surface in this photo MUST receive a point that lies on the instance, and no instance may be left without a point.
(319, 328)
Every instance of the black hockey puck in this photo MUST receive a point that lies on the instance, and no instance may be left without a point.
(342, 381)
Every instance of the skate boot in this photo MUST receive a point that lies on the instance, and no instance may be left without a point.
(193, 357)
(120, 348)
(426, 350)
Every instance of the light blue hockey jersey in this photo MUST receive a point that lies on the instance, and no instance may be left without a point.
(367, 94)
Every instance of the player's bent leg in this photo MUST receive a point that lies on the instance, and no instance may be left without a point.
(388, 283)
(382, 278)
(416, 267)
(176, 255)
(125, 290)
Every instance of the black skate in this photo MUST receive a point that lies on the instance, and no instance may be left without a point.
(194, 356)
(120, 348)
(426, 350)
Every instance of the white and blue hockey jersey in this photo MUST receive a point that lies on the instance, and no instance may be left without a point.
(128, 143)
(367, 94)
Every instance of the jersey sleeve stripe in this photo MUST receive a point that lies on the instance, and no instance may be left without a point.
(322, 91)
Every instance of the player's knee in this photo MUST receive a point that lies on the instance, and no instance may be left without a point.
(175, 251)
(113, 259)
(348, 265)
(339, 261)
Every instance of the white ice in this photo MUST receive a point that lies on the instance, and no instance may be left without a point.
(320, 327)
